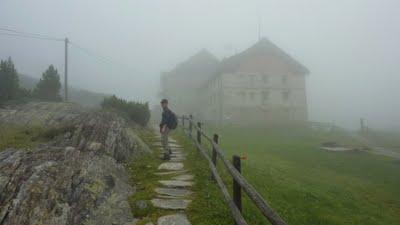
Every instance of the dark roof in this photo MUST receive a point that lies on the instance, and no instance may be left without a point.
(202, 63)
(262, 47)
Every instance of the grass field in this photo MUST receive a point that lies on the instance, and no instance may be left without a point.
(26, 137)
(307, 185)
(387, 139)
(304, 184)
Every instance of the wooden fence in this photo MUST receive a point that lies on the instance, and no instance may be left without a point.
(234, 169)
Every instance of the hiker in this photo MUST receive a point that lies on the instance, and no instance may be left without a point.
(168, 122)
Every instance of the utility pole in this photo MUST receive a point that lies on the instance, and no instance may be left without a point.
(259, 28)
(66, 71)
(362, 125)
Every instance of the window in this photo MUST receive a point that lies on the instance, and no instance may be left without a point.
(265, 78)
(284, 79)
(265, 97)
(252, 96)
(285, 95)
(242, 96)
(252, 78)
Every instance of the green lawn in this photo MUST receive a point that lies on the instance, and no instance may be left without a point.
(27, 137)
(387, 139)
(307, 185)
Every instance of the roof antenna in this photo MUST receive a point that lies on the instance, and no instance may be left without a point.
(259, 28)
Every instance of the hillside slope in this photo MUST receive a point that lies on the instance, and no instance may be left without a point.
(80, 96)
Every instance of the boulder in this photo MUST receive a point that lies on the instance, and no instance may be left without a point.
(76, 178)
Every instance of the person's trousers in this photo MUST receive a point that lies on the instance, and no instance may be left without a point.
(164, 141)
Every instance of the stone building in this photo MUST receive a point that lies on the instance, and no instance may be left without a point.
(180, 85)
(260, 84)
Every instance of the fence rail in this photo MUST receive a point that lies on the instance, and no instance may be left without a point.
(239, 182)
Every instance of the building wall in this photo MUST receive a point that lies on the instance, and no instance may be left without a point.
(182, 93)
(212, 100)
(257, 96)
(262, 88)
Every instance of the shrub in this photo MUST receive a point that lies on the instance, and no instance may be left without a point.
(9, 82)
(136, 111)
(49, 85)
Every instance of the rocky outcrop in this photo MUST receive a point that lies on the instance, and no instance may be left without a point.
(40, 114)
(76, 178)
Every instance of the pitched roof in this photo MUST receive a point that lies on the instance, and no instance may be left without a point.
(262, 47)
(202, 63)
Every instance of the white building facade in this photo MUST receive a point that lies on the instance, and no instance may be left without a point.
(258, 85)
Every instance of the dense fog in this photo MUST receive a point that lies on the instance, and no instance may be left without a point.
(351, 47)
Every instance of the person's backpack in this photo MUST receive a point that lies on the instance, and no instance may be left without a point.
(174, 121)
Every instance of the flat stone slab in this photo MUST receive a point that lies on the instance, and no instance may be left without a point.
(174, 159)
(159, 143)
(177, 159)
(167, 197)
(175, 219)
(159, 139)
(176, 183)
(171, 166)
(176, 153)
(170, 203)
(173, 192)
(172, 145)
(336, 149)
(183, 177)
(172, 148)
(170, 172)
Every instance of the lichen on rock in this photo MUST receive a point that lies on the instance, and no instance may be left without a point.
(77, 177)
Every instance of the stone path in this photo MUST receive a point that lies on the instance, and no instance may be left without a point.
(175, 182)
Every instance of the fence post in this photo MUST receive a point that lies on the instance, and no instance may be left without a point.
(198, 132)
(237, 191)
(214, 153)
(190, 124)
(183, 122)
(362, 125)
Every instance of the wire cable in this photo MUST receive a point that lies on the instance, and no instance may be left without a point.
(32, 37)
(22, 34)
(98, 56)
(29, 35)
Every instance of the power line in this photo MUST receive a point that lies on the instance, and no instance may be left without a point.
(98, 56)
(23, 34)
(30, 35)
(90, 52)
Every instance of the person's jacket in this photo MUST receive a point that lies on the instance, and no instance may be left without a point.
(167, 118)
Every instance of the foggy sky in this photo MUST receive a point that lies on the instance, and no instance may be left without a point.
(351, 47)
